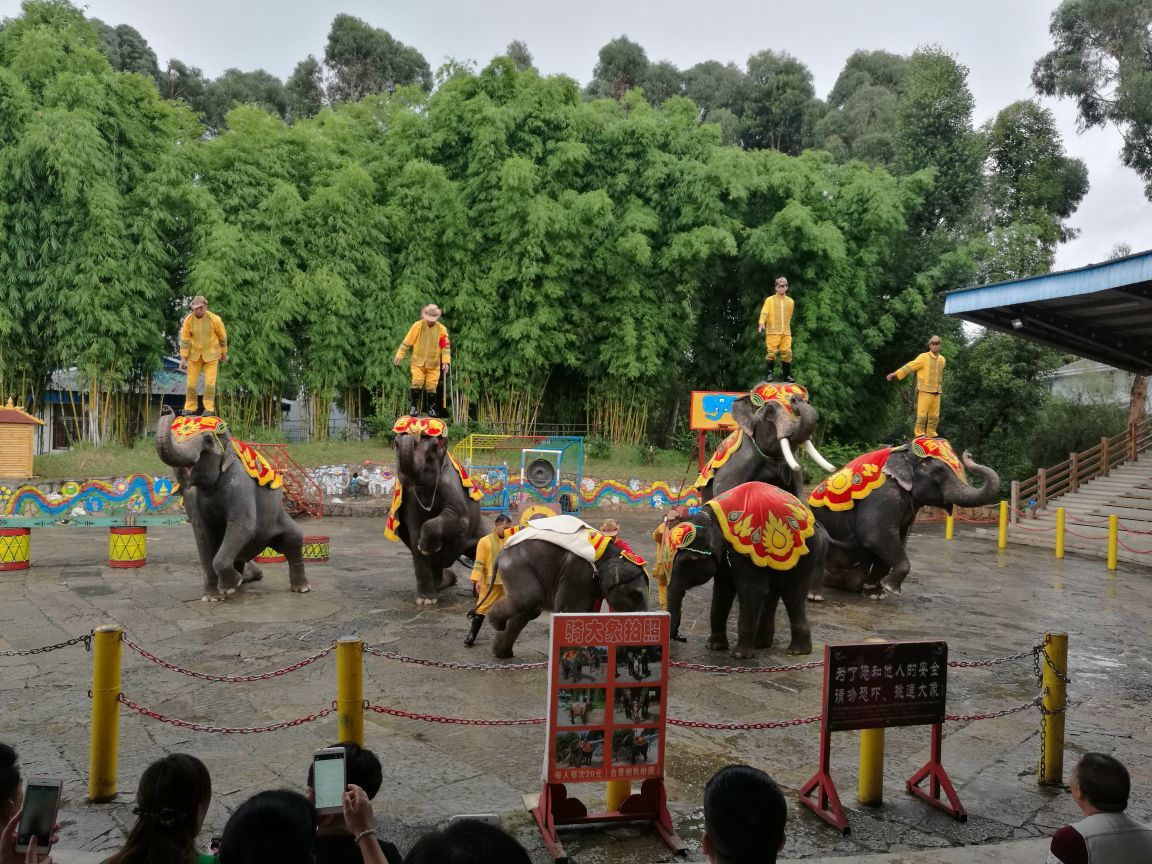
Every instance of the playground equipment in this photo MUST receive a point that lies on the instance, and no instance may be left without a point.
(551, 469)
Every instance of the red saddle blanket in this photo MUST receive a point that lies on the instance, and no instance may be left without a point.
(258, 468)
(781, 393)
(939, 448)
(854, 482)
(765, 523)
(723, 453)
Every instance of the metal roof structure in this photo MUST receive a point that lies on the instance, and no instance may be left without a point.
(1102, 311)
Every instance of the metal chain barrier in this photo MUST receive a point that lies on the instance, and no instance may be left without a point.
(448, 664)
(977, 664)
(1085, 536)
(990, 715)
(778, 724)
(1021, 526)
(224, 730)
(29, 652)
(230, 679)
(724, 670)
(1128, 548)
(458, 721)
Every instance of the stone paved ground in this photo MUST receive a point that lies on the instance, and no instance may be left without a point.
(983, 602)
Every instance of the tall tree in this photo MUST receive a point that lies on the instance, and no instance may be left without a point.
(304, 90)
(235, 87)
(622, 65)
(185, 83)
(862, 108)
(519, 54)
(661, 82)
(126, 49)
(713, 85)
(1103, 60)
(366, 59)
(778, 99)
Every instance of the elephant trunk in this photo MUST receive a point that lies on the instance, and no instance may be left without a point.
(957, 493)
(405, 456)
(171, 452)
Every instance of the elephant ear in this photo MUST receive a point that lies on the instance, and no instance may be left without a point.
(744, 413)
(899, 468)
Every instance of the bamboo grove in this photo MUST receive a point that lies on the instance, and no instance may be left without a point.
(595, 258)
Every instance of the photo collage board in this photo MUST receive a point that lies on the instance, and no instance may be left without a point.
(608, 697)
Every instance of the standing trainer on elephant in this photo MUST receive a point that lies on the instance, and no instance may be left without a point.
(489, 588)
(929, 369)
(427, 339)
(776, 325)
(203, 346)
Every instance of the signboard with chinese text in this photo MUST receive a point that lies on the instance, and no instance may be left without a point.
(608, 697)
(876, 685)
(711, 410)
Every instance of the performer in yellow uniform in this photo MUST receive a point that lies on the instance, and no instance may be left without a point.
(776, 325)
(664, 554)
(488, 585)
(427, 339)
(203, 346)
(929, 369)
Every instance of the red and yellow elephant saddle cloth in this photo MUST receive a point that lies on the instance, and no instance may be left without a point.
(939, 448)
(568, 532)
(393, 520)
(766, 523)
(723, 453)
(430, 426)
(680, 535)
(781, 393)
(258, 468)
(854, 482)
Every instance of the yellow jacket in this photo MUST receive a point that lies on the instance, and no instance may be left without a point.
(664, 554)
(203, 338)
(776, 314)
(487, 550)
(429, 345)
(929, 371)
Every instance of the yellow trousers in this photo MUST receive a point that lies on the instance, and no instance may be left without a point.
(487, 598)
(927, 413)
(425, 377)
(778, 343)
(209, 368)
(661, 580)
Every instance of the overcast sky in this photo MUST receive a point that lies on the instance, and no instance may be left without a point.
(997, 39)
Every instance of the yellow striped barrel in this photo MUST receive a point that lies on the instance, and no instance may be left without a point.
(127, 547)
(15, 547)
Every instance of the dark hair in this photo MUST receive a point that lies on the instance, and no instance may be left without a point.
(744, 815)
(9, 772)
(468, 842)
(170, 800)
(277, 827)
(503, 517)
(1104, 781)
(360, 767)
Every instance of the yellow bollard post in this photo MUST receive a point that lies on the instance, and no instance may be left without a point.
(350, 689)
(103, 753)
(870, 786)
(1002, 538)
(1059, 532)
(1113, 537)
(618, 792)
(1054, 670)
(950, 523)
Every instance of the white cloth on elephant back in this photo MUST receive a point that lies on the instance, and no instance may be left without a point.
(568, 532)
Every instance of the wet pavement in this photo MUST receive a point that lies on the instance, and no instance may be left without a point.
(984, 603)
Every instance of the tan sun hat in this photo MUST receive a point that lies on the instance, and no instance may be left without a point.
(610, 528)
(431, 312)
(198, 300)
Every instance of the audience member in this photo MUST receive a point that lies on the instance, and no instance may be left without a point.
(171, 802)
(275, 827)
(468, 842)
(336, 843)
(744, 816)
(11, 804)
(1100, 785)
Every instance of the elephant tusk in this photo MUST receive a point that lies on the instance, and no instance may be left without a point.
(816, 457)
(786, 446)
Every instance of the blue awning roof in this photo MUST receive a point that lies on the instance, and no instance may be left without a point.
(1102, 312)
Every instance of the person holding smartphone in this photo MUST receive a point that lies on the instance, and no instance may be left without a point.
(339, 840)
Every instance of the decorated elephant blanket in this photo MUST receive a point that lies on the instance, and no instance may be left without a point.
(781, 393)
(939, 448)
(258, 468)
(723, 453)
(764, 522)
(569, 533)
(854, 482)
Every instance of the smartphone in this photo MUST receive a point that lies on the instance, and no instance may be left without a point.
(487, 818)
(329, 779)
(41, 803)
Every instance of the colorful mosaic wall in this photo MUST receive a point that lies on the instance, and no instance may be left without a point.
(140, 493)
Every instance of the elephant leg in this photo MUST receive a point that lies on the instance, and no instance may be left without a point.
(766, 626)
(427, 580)
(816, 583)
(447, 578)
(751, 607)
(251, 572)
(505, 639)
(890, 550)
(206, 547)
(798, 619)
(290, 542)
(224, 561)
(723, 595)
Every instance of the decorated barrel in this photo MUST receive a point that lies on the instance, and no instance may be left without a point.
(15, 545)
(127, 547)
(270, 556)
(316, 550)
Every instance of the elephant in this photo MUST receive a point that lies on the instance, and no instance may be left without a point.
(435, 509)
(539, 575)
(577, 710)
(638, 749)
(234, 515)
(869, 527)
(760, 544)
(573, 662)
(771, 421)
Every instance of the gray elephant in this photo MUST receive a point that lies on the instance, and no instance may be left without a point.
(234, 502)
(435, 508)
(869, 506)
(760, 544)
(557, 575)
(772, 421)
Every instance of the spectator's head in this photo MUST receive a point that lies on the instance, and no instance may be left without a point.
(610, 528)
(744, 816)
(1101, 782)
(361, 767)
(277, 827)
(171, 802)
(11, 793)
(467, 842)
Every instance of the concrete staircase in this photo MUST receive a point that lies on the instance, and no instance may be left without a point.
(1125, 491)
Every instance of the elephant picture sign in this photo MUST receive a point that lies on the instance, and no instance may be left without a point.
(608, 676)
(711, 410)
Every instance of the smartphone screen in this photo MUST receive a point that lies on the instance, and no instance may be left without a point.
(328, 774)
(41, 799)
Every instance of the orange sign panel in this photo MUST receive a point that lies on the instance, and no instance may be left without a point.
(711, 410)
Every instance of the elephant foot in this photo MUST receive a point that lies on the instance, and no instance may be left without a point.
(797, 648)
(212, 598)
(890, 587)
(816, 597)
(743, 653)
(763, 644)
(500, 651)
(447, 579)
(427, 601)
(252, 573)
(873, 592)
(305, 588)
(717, 643)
